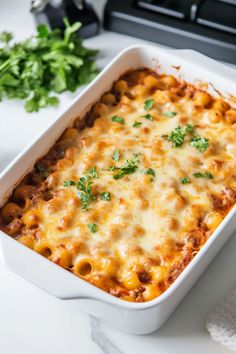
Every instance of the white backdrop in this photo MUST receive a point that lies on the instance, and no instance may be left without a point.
(33, 322)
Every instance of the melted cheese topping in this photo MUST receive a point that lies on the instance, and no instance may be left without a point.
(136, 243)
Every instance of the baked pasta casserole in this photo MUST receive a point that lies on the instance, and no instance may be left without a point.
(128, 196)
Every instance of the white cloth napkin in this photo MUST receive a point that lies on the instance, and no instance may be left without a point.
(222, 322)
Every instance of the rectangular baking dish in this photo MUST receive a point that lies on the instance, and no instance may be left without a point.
(138, 318)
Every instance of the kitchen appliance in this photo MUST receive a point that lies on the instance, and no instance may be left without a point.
(52, 12)
(208, 26)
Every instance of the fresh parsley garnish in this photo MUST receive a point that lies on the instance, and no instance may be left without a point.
(200, 143)
(129, 167)
(116, 155)
(137, 124)
(118, 120)
(208, 175)
(169, 114)
(43, 170)
(178, 135)
(46, 63)
(147, 116)
(92, 173)
(148, 104)
(184, 180)
(93, 228)
(189, 128)
(106, 196)
(84, 187)
(203, 175)
(149, 171)
(69, 183)
(111, 168)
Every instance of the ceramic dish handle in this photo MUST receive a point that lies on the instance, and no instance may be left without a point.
(45, 274)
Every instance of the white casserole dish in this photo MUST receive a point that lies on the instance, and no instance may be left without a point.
(139, 318)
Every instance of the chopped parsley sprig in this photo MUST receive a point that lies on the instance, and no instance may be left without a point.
(200, 143)
(105, 196)
(177, 137)
(206, 174)
(185, 180)
(148, 116)
(118, 119)
(84, 187)
(116, 155)
(129, 167)
(137, 124)
(169, 114)
(148, 104)
(149, 171)
(44, 172)
(93, 228)
(69, 183)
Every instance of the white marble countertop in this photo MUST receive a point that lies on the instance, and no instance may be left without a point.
(34, 322)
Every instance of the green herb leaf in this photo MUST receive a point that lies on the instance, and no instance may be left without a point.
(6, 37)
(208, 175)
(178, 135)
(118, 120)
(92, 173)
(169, 114)
(43, 170)
(129, 167)
(70, 29)
(200, 143)
(184, 180)
(84, 187)
(148, 104)
(44, 63)
(189, 128)
(148, 116)
(137, 124)
(149, 171)
(203, 175)
(106, 196)
(69, 183)
(93, 228)
(116, 155)
(43, 31)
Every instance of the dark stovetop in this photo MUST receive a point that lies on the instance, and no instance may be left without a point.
(208, 26)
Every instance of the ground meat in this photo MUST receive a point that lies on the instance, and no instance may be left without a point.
(217, 203)
(14, 228)
(118, 292)
(42, 193)
(196, 238)
(144, 277)
(178, 267)
(230, 195)
(225, 200)
(138, 293)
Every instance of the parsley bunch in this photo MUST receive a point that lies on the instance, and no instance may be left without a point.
(47, 62)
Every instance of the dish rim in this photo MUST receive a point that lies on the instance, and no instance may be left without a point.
(193, 263)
